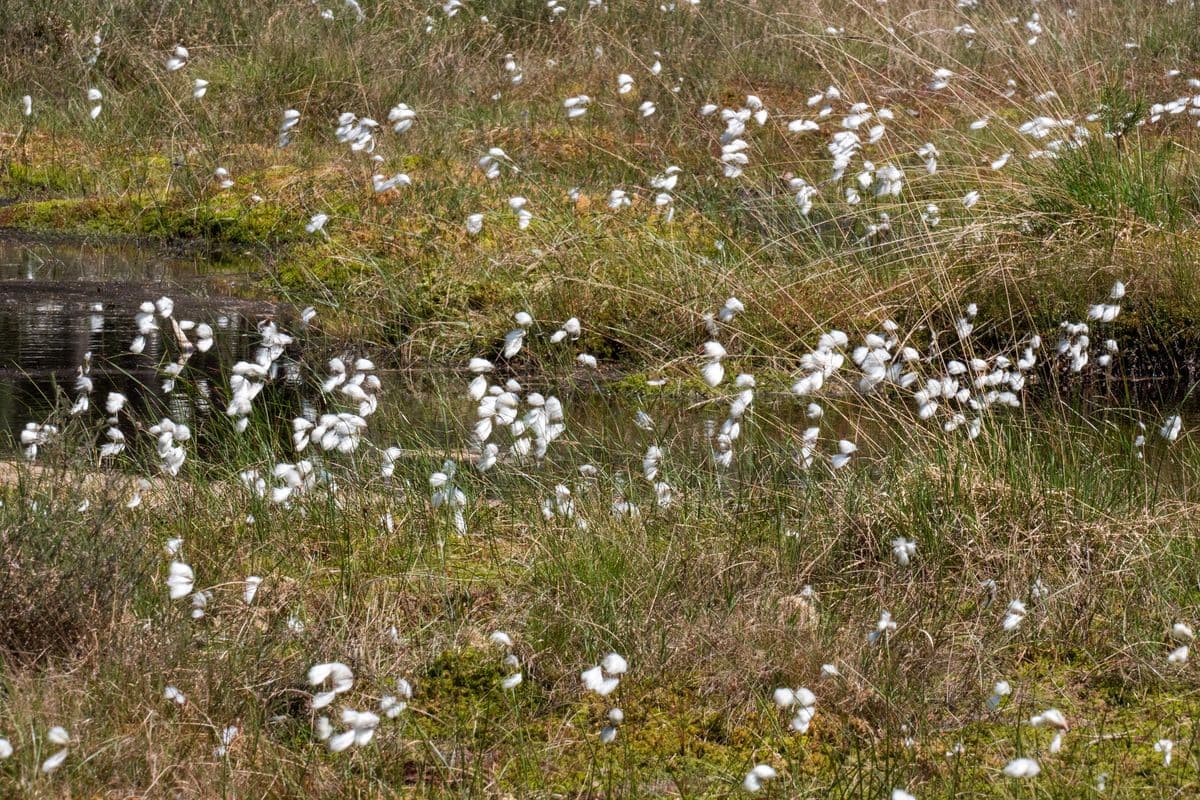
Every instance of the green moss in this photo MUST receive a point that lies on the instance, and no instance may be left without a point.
(462, 675)
(210, 224)
(39, 179)
(314, 270)
(66, 215)
(461, 691)
(249, 226)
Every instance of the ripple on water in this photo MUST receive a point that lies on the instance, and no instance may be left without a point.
(61, 299)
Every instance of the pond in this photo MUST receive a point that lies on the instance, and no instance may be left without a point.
(61, 300)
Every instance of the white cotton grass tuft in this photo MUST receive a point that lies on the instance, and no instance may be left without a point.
(614, 664)
(757, 776)
(55, 761)
(1050, 718)
(178, 59)
(608, 734)
(1055, 720)
(604, 678)
(339, 676)
(1022, 768)
(250, 590)
(799, 702)
(287, 127)
(402, 118)
(1014, 616)
(225, 740)
(444, 493)
(316, 223)
(59, 737)
(841, 458)
(515, 676)
(180, 580)
(576, 106)
(713, 371)
(393, 705)
(360, 730)
(883, 627)
(903, 550)
(571, 329)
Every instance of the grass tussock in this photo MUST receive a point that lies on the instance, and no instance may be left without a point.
(901, 548)
(397, 267)
(747, 580)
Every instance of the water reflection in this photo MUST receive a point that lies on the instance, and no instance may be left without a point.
(61, 301)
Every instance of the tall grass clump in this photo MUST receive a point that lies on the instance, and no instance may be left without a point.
(146, 163)
(61, 577)
(674, 399)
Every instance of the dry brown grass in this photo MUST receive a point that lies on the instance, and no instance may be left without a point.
(706, 598)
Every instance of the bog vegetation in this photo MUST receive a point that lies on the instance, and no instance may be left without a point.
(803, 403)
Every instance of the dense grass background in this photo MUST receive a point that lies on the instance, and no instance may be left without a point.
(706, 598)
(399, 269)
(1054, 505)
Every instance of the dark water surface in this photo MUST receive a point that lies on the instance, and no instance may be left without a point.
(60, 300)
